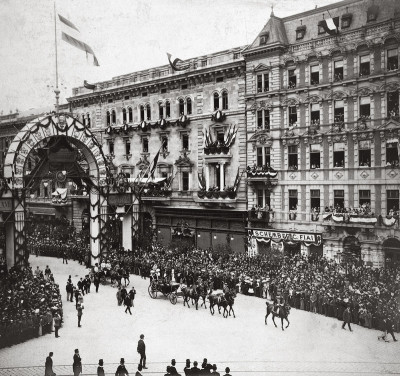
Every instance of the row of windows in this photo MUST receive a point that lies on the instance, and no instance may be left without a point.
(392, 109)
(364, 198)
(364, 155)
(145, 144)
(392, 63)
(185, 107)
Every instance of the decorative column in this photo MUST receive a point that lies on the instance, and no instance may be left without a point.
(127, 231)
(221, 175)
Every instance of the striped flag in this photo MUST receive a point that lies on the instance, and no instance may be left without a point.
(74, 41)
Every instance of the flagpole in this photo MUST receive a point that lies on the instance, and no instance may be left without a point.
(56, 90)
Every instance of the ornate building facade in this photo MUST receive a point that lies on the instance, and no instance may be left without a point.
(290, 143)
(196, 119)
(323, 132)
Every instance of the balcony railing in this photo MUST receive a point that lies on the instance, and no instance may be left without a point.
(260, 217)
(262, 173)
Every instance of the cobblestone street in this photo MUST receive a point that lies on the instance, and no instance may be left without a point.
(313, 344)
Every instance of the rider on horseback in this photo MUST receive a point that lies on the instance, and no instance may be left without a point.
(277, 305)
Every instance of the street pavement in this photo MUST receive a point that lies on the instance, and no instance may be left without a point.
(313, 344)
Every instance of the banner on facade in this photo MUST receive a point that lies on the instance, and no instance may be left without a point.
(307, 238)
(121, 199)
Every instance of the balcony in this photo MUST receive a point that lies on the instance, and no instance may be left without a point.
(156, 194)
(214, 197)
(260, 217)
(265, 174)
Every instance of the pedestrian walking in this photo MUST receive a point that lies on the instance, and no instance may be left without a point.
(77, 365)
(80, 308)
(128, 304)
(57, 323)
(141, 349)
(132, 294)
(100, 368)
(64, 256)
(389, 329)
(119, 296)
(48, 367)
(76, 294)
(96, 281)
(121, 370)
(88, 283)
(347, 318)
(70, 290)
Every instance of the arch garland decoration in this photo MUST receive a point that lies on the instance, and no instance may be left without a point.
(34, 132)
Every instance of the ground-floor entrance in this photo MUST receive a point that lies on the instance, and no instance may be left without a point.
(391, 248)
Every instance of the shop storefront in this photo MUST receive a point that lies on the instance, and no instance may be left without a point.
(289, 242)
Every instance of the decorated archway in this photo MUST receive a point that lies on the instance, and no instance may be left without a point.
(19, 178)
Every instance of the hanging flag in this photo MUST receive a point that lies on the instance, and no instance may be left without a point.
(330, 25)
(177, 64)
(155, 161)
(88, 86)
(74, 41)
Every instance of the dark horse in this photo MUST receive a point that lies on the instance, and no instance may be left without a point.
(283, 313)
(227, 300)
(190, 293)
(203, 289)
(215, 300)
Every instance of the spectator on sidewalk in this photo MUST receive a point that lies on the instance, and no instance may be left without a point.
(227, 370)
(77, 365)
(214, 367)
(49, 366)
(187, 367)
(100, 368)
(139, 370)
(195, 371)
(121, 370)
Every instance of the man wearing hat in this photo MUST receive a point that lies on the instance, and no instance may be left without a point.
(121, 370)
(100, 368)
(49, 366)
(57, 323)
(214, 368)
(227, 370)
(187, 367)
(77, 365)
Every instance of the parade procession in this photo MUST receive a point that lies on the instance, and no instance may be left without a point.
(236, 212)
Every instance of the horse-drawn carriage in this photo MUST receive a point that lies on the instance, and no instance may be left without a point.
(169, 290)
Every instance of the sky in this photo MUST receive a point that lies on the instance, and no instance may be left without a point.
(126, 36)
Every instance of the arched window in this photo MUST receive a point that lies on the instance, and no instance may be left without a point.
(181, 107)
(225, 100)
(108, 118)
(113, 117)
(167, 109)
(130, 115)
(160, 110)
(88, 120)
(188, 106)
(141, 110)
(148, 112)
(216, 101)
(124, 115)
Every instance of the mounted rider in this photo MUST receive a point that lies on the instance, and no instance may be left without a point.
(277, 305)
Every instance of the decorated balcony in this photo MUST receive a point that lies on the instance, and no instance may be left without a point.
(221, 147)
(260, 217)
(60, 197)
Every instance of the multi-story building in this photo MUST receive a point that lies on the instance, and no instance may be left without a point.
(308, 114)
(196, 119)
(322, 95)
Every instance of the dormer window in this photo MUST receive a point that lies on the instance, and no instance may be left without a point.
(264, 38)
(300, 32)
(346, 20)
(321, 29)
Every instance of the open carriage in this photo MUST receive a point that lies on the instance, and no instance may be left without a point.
(169, 290)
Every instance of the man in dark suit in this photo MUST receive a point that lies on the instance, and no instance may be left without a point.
(77, 365)
(195, 371)
(227, 370)
(121, 370)
(49, 366)
(389, 328)
(214, 367)
(128, 304)
(141, 349)
(206, 367)
(187, 367)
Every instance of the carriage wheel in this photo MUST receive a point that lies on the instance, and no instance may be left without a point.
(173, 298)
(152, 292)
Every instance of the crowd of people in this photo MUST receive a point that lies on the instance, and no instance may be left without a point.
(28, 303)
(312, 283)
(58, 238)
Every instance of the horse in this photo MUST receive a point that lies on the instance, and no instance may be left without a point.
(283, 313)
(115, 278)
(190, 293)
(215, 299)
(227, 300)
